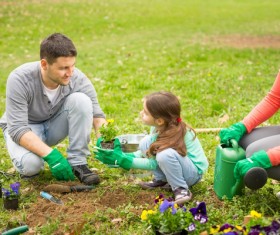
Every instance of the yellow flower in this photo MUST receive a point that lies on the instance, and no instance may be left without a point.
(110, 120)
(144, 215)
(255, 214)
(227, 230)
(238, 227)
(214, 229)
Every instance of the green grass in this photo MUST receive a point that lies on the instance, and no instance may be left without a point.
(131, 48)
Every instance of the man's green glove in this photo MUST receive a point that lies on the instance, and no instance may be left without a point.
(235, 131)
(258, 159)
(59, 166)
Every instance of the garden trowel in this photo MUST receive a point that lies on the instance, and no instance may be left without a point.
(51, 198)
(58, 188)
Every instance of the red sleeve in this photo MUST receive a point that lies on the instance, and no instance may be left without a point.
(266, 108)
(274, 156)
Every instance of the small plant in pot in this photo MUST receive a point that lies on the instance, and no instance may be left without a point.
(11, 196)
(108, 133)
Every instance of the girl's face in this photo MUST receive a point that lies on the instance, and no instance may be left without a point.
(147, 118)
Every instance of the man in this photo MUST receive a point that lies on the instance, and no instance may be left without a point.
(47, 101)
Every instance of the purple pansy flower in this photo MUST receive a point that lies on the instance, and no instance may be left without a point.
(14, 191)
(6, 192)
(191, 227)
(199, 213)
(255, 232)
(159, 198)
(226, 226)
(15, 187)
(165, 205)
(275, 225)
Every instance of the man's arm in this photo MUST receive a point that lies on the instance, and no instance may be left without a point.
(59, 166)
(33, 143)
(97, 123)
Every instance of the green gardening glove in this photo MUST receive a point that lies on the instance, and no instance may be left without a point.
(117, 143)
(59, 166)
(125, 160)
(98, 142)
(235, 131)
(258, 159)
(114, 156)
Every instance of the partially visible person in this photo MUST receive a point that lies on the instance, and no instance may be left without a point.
(172, 150)
(46, 101)
(262, 144)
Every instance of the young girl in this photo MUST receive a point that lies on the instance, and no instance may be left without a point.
(174, 153)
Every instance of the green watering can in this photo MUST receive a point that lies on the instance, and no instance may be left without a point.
(225, 184)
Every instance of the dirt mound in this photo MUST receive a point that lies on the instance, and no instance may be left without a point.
(241, 41)
(77, 204)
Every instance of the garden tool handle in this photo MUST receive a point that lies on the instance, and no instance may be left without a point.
(16, 231)
(81, 188)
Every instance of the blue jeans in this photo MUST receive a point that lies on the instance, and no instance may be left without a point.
(178, 171)
(74, 120)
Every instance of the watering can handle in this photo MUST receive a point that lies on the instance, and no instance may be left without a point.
(234, 143)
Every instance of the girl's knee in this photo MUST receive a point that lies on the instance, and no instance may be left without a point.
(165, 156)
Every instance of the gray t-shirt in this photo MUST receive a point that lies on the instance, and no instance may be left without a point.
(27, 102)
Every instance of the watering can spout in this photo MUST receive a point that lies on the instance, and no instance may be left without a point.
(237, 188)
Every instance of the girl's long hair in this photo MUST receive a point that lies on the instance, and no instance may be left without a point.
(167, 106)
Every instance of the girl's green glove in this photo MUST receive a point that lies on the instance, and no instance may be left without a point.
(258, 159)
(127, 161)
(98, 142)
(235, 131)
(114, 156)
(59, 166)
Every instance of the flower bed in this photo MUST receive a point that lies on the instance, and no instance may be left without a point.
(169, 218)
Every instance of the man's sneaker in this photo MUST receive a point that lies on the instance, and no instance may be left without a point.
(182, 195)
(85, 175)
(155, 184)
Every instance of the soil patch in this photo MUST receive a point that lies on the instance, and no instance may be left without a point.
(242, 41)
(78, 204)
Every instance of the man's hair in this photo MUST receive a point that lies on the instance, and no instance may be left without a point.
(56, 45)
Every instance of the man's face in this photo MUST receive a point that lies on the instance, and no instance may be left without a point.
(58, 73)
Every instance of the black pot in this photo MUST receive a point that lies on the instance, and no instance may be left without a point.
(107, 145)
(11, 204)
(183, 232)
